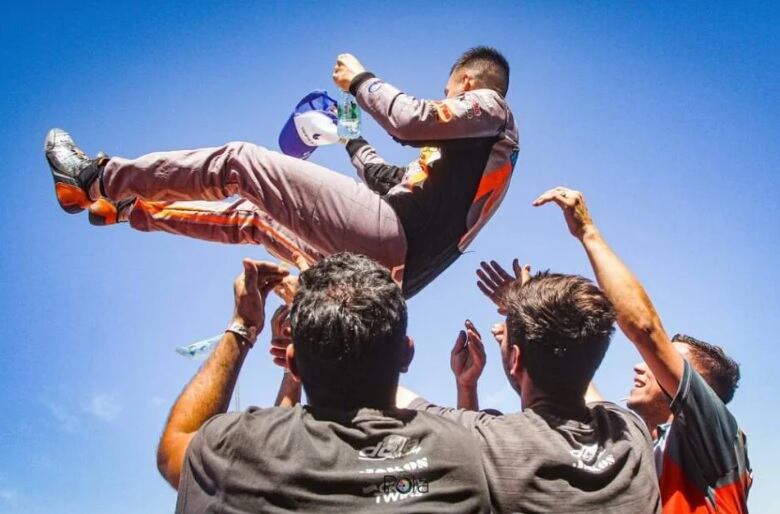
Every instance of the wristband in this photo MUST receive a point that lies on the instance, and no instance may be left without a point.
(248, 334)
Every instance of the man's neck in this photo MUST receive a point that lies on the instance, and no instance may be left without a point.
(652, 426)
(571, 406)
(340, 403)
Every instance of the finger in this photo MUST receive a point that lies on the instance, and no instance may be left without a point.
(277, 352)
(470, 326)
(270, 268)
(477, 352)
(278, 314)
(516, 267)
(250, 276)
(525, 274)
(487, 292)
(501, 271)
(269, 284)
(495, 277)
(300, 262)
(550, 195)
(546, 196)
(556, 198)
(460, 343)
(282, 363)
(487, 280)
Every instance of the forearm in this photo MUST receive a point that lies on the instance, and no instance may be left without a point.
(635, 312)
(289, 393)
(467, 397)
(372, 168)
(207, 394)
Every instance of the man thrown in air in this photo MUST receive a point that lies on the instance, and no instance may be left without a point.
(415, 220)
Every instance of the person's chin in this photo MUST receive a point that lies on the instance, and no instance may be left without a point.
(634, 401)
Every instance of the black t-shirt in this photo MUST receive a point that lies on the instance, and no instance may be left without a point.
(537, 461)
(305, 459)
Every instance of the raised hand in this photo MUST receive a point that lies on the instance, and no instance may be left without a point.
(347, 67)
(494, 281)
(251, 288)
(575, 211)
(467, 359)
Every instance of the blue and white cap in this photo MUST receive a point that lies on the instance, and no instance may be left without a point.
(313, 123)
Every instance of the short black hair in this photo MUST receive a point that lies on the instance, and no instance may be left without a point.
(719, 370)
(563, 325)
(490, 67)
(348, 321)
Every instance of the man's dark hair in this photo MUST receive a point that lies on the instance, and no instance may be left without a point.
(719, 370)
(348, 322)
(490, 68)
(562, 324)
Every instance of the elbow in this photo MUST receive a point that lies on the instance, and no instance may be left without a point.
(398, 131)
(165, 466)
(642, 329)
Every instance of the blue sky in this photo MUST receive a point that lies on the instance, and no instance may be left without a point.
(666, 116)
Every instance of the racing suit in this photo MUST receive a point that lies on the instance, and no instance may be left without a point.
(415, 220)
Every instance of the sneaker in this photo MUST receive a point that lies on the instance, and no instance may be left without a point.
(72, 170)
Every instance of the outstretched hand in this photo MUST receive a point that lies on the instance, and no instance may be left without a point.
(494, 281)
(574, 209)
(251, 288)
(347, 68)
(467, 359)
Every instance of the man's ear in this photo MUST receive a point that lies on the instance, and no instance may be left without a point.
(291, 364)
(515, 361)
(467, 79)
(407, 355)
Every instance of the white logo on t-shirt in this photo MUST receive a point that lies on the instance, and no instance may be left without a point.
(591, 458)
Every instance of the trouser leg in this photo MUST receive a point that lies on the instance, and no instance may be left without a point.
(236, 222)
(327, 210)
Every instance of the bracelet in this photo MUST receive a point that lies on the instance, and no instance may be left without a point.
(248, 334)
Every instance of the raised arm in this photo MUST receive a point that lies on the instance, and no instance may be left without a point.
(635, 312)
(209, 392)
(475, 114)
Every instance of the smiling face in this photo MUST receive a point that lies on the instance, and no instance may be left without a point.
(647, 398)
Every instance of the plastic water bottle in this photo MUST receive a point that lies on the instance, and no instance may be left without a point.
(349, 117)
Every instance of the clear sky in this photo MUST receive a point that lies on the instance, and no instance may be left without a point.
(665, 115)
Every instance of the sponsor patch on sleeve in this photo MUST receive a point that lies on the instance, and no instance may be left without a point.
(442, 112)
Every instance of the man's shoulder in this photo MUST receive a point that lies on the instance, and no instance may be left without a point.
(616, 412)
(233, 424)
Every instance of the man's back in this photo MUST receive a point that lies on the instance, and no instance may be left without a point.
(318, 460)
(536, 461)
